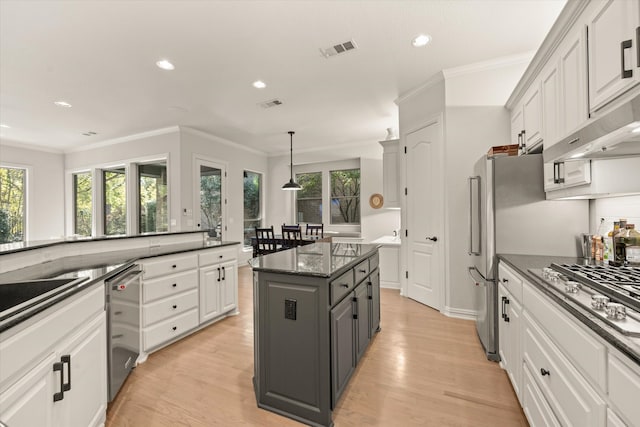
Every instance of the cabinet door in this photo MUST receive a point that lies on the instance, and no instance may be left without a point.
(85, 372)
(613, 23)
(550, 92)
(343, 360)
(534, 404)
(374, 302)
(504, 344)
(550, 172)
(514, 311)
(517, 125)
(573, 83)
(532, 111)
(577, 173)
(362, 319)
(210, 284)
(229, 289)
(29, 402)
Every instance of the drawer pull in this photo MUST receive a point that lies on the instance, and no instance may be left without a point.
(66, 359)
(174, 266)
(174, 328)
(175, 285)
(362, 270)
(505, 280)
(60, 394)
(544, 372)
(174, 306)
(220, 256)
(344, 285)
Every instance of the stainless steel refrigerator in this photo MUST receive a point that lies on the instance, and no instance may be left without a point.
(508, 214)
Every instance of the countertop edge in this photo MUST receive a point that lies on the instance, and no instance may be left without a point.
(575, 311)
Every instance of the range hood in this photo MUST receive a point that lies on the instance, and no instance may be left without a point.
(616, 134)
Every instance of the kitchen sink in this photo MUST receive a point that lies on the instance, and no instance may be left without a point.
(23, 294)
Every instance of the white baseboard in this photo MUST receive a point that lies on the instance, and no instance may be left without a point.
(389, 285)
(460, 313)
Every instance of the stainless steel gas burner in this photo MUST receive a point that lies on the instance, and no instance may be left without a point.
(610, 293)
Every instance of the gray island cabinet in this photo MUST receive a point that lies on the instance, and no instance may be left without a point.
(316, 308)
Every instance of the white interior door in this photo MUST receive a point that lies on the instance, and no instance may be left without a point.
(425, 219)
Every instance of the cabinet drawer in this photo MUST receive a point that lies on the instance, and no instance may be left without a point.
(341, 286)
(510, 280)
(534, 404)
(374, 261)
(170, 329)
(17, 349)
(573, 400)
(168, 265)
(168, 307)
(170, 285)
(587, 354)
(214, 256)
(624, 389)
(361, 271)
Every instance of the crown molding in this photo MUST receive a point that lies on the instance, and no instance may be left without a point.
(488, 65)
(220, 140)
(27, 146)
(431, 81)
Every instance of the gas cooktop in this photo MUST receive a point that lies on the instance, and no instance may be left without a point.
(610, 293)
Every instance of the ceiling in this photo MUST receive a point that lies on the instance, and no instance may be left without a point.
(100, 57)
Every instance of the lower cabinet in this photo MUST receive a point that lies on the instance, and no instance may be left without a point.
(67, 386)
(509, 329)
(218, 290)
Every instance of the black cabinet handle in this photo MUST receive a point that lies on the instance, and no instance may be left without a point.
(59, 395)
(344, 285)
(224, 274)
(175, 285)
(506, 316)
(174, 306)
(174, 328)
(66, 359)
(503, 314)
(505, 280)
(625, 74)
(174, 266)
(544, 372)
(362, 270)
(220, 256)
(219, 274)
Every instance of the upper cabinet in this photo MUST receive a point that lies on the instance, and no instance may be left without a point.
(390, 161)
(613, 50)
(526, 121)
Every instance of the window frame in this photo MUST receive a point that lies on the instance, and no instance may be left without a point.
(28, 193)
(74, 213)
(127, 197)
(325, 168)
(261, 202)
(137, 207)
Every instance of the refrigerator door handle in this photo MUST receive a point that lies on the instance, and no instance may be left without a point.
(471, 180)
(476, 276)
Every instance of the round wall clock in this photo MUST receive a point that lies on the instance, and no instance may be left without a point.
(376, 201)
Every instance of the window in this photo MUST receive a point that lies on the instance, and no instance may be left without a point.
(345, 196)
(82, 203)
(153, 211)
(12, 204)
(211, 197)
(252, 204)
(309, 198)
(115, 201)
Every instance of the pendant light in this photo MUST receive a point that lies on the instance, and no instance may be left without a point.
(291, 185)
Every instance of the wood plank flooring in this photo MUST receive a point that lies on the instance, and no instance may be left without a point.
(422, 369)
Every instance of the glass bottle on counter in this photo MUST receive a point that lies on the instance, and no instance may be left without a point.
(608, 241)
(632, 250)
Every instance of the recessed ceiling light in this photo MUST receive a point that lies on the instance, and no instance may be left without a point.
(165, 65)
(4, 126)
(62, 104)
(421, 40)
(259, 84)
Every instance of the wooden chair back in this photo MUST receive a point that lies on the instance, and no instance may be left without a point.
(315, 230)
(265, 241)
(291, 236)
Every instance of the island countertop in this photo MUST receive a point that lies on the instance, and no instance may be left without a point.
(322, 259)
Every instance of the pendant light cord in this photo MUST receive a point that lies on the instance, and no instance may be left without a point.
(291, 150)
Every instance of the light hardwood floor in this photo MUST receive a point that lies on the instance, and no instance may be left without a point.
(422, 369)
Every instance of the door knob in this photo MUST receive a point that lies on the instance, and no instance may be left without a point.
(433, 239)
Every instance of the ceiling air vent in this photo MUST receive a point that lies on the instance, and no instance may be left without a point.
(339, 49)
(270, 103)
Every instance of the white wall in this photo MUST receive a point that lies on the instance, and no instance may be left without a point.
(45, 188)
(612, 209)
(374, 222)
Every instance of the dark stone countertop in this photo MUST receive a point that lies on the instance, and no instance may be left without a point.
(322, 259)
(630, 346)
(7, 248)
(94, 267)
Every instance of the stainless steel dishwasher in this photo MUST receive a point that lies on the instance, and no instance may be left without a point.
(123, 325)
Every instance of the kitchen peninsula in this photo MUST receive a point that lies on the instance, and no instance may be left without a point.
(316, 308)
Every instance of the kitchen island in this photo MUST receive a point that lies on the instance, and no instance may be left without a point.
(316, 308)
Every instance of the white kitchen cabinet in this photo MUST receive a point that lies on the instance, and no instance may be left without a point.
(534, 404)
(62, 354)
(218, 290)
(509, 330)
(613, 67)
(551, 103)
(573, 112)
(624, 389)
(532, 116)
(390, 178)
(559, 175)
(389, 266)
(517, 125)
